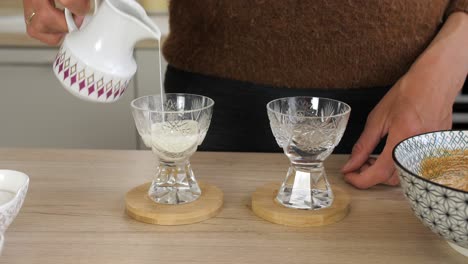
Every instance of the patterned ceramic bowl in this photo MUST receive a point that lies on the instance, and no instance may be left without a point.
(13, 189)
(441, 208)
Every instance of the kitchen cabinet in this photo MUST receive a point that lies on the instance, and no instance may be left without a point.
(7, 6)
(35, 111)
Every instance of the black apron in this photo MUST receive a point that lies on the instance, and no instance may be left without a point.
(240, 122)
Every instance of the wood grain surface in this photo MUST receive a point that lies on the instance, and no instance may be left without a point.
(140, 207)
(75, 213)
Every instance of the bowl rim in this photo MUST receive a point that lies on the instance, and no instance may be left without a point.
(25, 184)
(416, 175)
(2, 241)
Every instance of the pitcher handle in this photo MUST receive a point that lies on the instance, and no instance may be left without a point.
(69, 17)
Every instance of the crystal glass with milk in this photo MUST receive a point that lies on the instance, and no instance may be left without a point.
(173, 126)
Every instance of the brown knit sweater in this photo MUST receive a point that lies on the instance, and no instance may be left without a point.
(304, 43)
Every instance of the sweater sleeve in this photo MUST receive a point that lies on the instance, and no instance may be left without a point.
(457, 6)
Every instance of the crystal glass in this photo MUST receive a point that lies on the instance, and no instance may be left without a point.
(173, 126)
(308, 129)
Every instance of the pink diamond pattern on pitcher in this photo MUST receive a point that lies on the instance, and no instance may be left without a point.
(91, 89)
(73, 80)
(100, 87)
(85, 78)
(82, 85)
(66, 74)
(100, 92)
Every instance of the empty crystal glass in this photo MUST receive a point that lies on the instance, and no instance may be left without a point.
(308, 129)
(173, 126)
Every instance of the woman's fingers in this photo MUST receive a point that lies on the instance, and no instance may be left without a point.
(366, 165)
(49, 39)
(380, 172)
(47, 23)
(77, 7)
(43, 21)
(394, 180)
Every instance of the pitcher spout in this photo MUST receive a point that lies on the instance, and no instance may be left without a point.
(145, 27)
(142, 31)
(141, 26)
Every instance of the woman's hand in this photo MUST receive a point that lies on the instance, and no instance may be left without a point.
(47, 23)
(421, 101)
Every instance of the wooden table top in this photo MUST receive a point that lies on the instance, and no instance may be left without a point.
(74, 213)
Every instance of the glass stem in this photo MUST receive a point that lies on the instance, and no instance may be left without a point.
(174, 183)
(305, 187)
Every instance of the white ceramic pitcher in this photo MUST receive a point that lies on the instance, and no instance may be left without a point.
(95, 62)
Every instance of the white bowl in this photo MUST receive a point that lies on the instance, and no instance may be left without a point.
(1, 244)
(13, 189)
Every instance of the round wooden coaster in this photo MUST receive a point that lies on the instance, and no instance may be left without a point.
(140, 207)
(265, 206)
